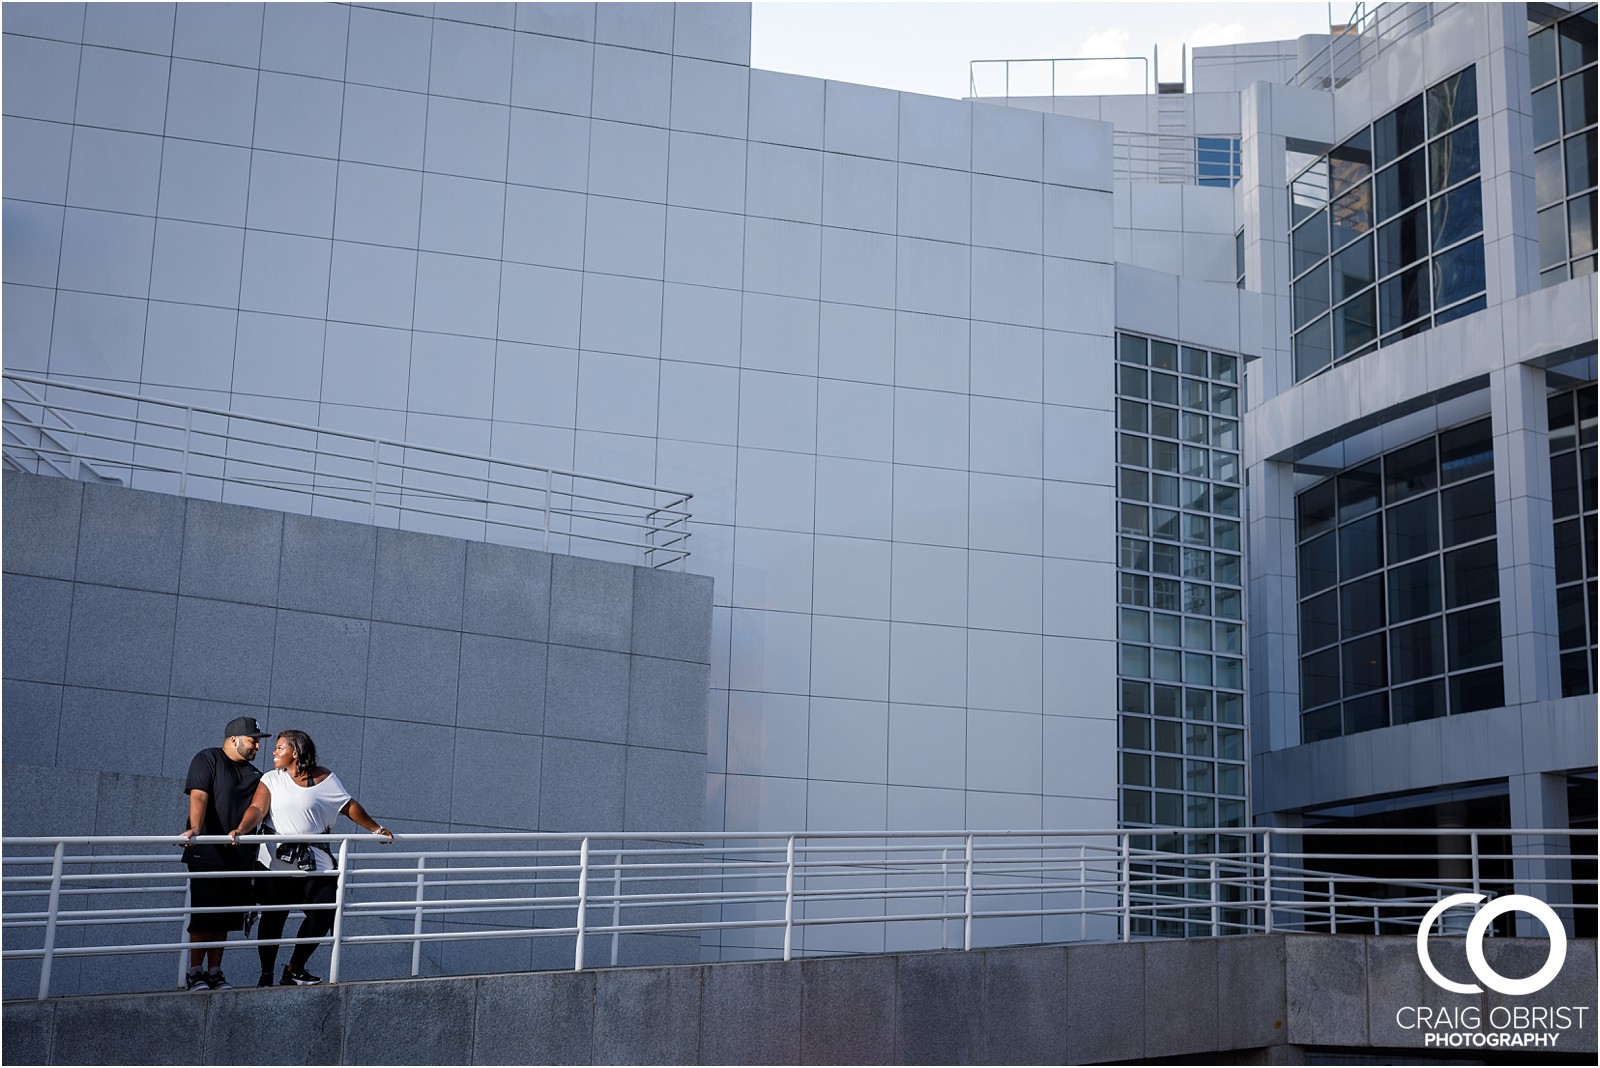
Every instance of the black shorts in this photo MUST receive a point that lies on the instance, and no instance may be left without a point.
(236, 891)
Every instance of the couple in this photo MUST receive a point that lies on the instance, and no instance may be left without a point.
(227, 795)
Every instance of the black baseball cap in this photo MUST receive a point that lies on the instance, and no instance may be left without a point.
(244, 726)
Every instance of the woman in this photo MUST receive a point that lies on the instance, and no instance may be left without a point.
(303, 799)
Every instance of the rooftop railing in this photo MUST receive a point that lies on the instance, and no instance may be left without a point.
(1368, 33)
(780, 895)
(71, 430)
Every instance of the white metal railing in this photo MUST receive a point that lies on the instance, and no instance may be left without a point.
(1174, 158)
(802, 893)
(1007, 79)
(79, 431)
(1367, 34)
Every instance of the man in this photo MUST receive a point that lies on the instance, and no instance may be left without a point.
(222, 782)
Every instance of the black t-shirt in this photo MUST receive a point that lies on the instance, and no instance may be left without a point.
(229, 785)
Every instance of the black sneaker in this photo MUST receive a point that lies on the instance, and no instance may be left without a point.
(265, 980)
(195, 982)
(217, 981)
(298, 977)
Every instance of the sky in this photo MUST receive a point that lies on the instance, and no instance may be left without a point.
(927, 48)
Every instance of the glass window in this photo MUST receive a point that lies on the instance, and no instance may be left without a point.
(1410, 471)
(1308, 193)
(1319, 678)
(1225, 368)
(1353, 269)
(1403, 299)
(1355, 324)
(1163, 421)
(1416, 651)
(1366, 713)
(1133, 519)
(1549, 175)
(1481, 689)
(1452, 100)
(1163, 388)
(1458, 273)
(1581, 224)
(1403, 241)
(1361, 546)
(1546, 114)
(1315, 509)
(1409, 704)
(1163, 355)
(1319, 567)
(1352, 214)
(1466, 452)
(1131, 349)
(1361, 606)
(1413, 528)
(1359, 490)
(1454, 157)
(1467, 511)
(1164, 456)
(1319, 621)
(1471, 575)
(1313, 348)
(1578, 101)
(1321, 723)
(1542, 55)
(1580, 156)
(1311, 296)
(1398, 132)
(1350, 163)
(1577, 40)
(1310, 242)
(1457, 214)
(1414, 589)
(1133, 449)
(1195, 362)
(1474, 637)
(1131, 415)
(1401, 185)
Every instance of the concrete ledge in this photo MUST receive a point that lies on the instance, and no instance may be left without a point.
(1250, 1000)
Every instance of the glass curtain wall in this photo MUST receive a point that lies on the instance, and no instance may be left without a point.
(1561, 60)
(1572, 499)
(1399, 586)
(1386, 236)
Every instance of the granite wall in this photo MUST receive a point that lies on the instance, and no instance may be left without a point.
(453, 686)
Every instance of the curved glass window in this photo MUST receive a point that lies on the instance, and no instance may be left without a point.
(1399, 587)
(1386, 230)
(1562, 70)
(1574, 506)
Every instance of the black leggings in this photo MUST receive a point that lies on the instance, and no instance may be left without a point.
(295, 890)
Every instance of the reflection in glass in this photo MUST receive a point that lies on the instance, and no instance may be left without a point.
(1413, 528)
(1414, 589)
(1452, 100)
(1468, 511)
(1548, 175)
(1403, 241)
(1542, 56)
(1313, 348)
(1577, 40)
(1355, 323)
(1457, 214)
(1580, 150)
(1466, 451)
(1398, 132)
(1458, 273)
(1352, 269)
(1351, 215)
(1546, 114)
(1401, 185)
(1311, 296)
(1581, 224)
(1454, 157)
(1403, 298)
(1577, 101)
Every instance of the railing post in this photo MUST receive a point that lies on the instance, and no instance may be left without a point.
(50, 921)
(616, 906)
(549, 478)
(788, 900)
(372, 491)
(944, 897)
(183, 471)
(416, 923)
(1476, 889)
(338, 912)
(1266, 877)
(583, 902)
(1216, 915)
(1083, 895)
(1127, 889)
(966, 938)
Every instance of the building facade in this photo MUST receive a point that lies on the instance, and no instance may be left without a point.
(1199, 459)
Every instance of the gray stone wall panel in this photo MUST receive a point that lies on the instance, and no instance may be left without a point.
(663, 790)
(496, 780)
(1180, 997)
(406, 769)
(231, 552)
(319, 663)
(847, 1011)
(672, 615)
(327, 566)
(502, 685)
(277, 1025)
(412, 673)
(1327, 985)
(647, 1016)
(29, 1032)
(419, 579)
(939, 1009)
(534, 1019)
(428, 1022)
(587, 694)
(121, 639)
(130, 538)
(1105, 1003)
(663, 708)
(35, 650)
(591, 603)
(32, 721)
(112, 730)
(750, 1014)
(1251, 997)
(1025, 1004)
(507, 592)
(223, 651)
(145, 1029)
(581, 785)
(41, 527)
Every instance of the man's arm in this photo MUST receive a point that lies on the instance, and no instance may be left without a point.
(197, 813)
